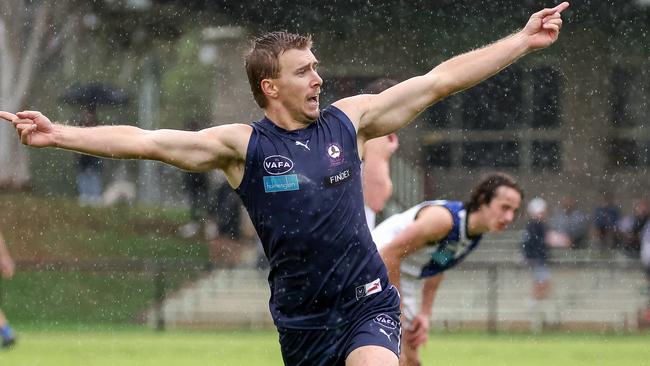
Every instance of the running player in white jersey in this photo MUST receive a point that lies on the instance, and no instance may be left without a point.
(418, 245)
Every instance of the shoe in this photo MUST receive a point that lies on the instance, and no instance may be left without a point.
(8, 342)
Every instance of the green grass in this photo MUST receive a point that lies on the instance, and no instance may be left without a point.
(139, 346)
(39, 228)
(54, 228)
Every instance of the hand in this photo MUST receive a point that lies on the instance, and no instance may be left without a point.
(7, 267)
(34, 129)
(418, 334)
(543, 27)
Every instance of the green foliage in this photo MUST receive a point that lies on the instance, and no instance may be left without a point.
(187, 84)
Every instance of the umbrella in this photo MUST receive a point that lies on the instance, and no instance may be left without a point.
(91, 95)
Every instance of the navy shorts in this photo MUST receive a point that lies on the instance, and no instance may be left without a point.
(332, 346)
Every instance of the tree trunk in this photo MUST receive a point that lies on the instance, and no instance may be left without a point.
(19, 53)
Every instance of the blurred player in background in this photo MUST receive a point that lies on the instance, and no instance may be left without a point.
(419, 244)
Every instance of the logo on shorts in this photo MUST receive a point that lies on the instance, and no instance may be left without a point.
(386, 333)
(368, 289)
(385, 321)
(277, 164)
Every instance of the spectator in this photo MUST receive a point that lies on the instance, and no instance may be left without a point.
(569, 226)
(605, 221)
(631, 227)
(645, 261)
(225, 212)
(535, 250)
(197, 185)
(89, 168)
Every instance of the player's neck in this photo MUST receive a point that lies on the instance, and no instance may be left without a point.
(282, 118)
(475, 224)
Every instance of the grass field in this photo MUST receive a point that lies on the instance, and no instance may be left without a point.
(56, 312)
(141, 346)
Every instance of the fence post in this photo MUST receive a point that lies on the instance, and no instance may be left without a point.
(159, 294)
(492, 297)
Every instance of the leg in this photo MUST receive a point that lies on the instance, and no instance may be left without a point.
(371, 356)
(8, 337)
(409, 355)
(376, 339)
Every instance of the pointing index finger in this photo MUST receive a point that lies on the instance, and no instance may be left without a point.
(561, 7)
(8, 116)
(556, 10)
(29, 114)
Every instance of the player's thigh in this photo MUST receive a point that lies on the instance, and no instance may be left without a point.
(375, 338)
(372, 356)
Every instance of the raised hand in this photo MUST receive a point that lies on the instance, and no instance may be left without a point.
(33, 128)
(543, 27)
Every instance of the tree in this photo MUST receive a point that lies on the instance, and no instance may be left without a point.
(24, 27)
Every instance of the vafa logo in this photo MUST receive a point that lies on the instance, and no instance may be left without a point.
(277, 164)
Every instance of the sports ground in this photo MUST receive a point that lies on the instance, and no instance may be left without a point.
(143, 346)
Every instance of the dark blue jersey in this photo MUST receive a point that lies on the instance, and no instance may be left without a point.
(302, 190)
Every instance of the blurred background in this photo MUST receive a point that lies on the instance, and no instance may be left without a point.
(140, 242)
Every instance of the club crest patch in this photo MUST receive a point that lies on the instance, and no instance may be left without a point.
(335, 154)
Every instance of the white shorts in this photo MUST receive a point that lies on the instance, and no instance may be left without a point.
(411, 296)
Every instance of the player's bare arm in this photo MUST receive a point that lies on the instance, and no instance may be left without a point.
(386, 112)
(222, 147)
(432, 224)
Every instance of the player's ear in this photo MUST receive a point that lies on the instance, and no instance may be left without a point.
(269, 88)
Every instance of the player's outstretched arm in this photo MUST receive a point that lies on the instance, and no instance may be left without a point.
(383, 113)
(216, 147)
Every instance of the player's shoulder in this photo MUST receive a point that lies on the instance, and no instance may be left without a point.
(230, 132)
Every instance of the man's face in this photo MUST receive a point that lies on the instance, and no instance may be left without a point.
(299, 84)
(501, 211)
